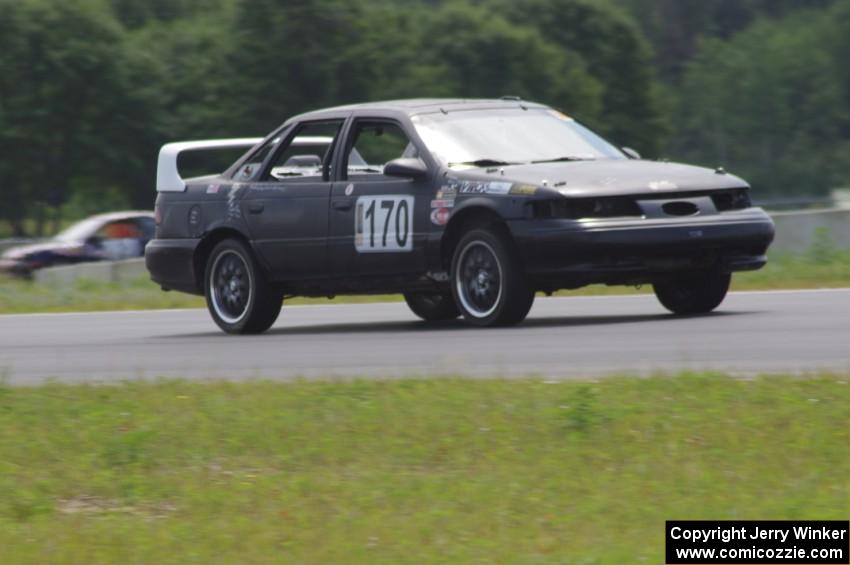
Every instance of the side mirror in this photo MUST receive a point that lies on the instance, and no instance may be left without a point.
(631, 153)
(406, 168)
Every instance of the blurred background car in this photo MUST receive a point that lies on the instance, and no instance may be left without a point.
(104, 237)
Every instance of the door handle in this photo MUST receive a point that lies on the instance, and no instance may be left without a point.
(342, 204)
(256, 208)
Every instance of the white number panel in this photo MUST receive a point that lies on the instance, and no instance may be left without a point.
(383, 224)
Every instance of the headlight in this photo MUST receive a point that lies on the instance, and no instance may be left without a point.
(726, 200)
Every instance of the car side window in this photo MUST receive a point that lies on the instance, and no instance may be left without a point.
(122, 229)
(251, 168)
(306, 154)
(117, 240)
(373, 145)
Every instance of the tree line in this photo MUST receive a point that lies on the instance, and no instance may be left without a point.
(89, 89)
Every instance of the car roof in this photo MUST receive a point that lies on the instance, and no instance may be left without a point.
(122, 215)
(415, 106)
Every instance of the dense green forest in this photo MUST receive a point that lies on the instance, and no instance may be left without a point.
(89, 89)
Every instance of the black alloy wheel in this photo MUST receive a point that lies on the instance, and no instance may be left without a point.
(432, 306)
(239, 297)
(693, 293)
(488, 281)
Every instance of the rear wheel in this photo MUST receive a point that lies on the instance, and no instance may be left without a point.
(432, 307)
(488, 281)
(239, 298)
(693, 293)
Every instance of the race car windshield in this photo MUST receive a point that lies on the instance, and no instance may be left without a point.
(508, 137)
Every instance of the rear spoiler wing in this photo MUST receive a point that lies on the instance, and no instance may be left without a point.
(168, 178)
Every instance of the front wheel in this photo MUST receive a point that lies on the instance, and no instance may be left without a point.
(239, 298)
(488, 281)
(693, 293)
(432, 307)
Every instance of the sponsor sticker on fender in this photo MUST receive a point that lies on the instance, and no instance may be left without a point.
(478, 187)
(447, 191)
(440, 216)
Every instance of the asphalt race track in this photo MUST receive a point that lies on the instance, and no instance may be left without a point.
(794, 331)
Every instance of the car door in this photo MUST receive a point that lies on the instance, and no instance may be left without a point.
(286, 207)
(378, 223)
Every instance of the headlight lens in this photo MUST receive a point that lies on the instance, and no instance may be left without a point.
(726, 200)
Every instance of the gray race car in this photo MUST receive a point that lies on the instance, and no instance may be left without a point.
(467, 207)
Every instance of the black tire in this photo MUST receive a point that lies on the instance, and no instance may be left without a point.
(488, 282)
(693, 293)
(432, 306)
(239, 297)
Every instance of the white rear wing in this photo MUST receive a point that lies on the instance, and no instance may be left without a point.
(168, 178)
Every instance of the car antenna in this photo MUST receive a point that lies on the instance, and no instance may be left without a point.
(514, 99)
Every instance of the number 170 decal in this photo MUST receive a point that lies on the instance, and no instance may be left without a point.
(383, 224)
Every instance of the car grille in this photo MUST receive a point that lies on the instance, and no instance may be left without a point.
(577, 208)
(627, 206)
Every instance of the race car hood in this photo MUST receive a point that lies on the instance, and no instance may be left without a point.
(612, 177)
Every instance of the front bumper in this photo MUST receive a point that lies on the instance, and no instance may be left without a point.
(171, 264)
(13, 268)
(641, 250)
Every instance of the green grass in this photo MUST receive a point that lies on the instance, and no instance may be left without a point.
(441, 470)
(18, 297)
(817, 269)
